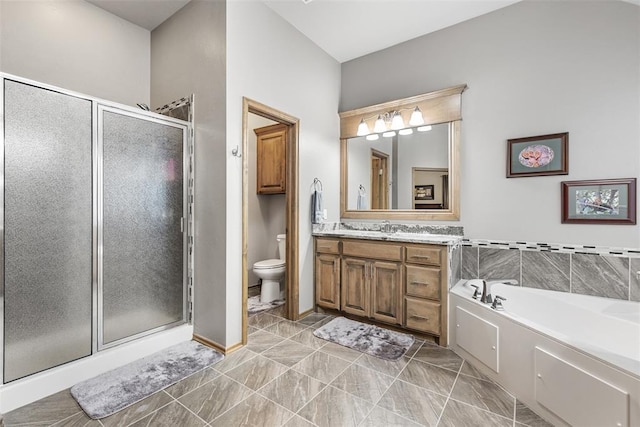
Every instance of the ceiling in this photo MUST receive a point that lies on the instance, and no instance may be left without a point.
(345, 29)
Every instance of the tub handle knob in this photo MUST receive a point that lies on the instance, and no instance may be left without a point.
(497, 303)
(476, 293)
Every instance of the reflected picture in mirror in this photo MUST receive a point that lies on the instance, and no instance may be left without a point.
(399, 172)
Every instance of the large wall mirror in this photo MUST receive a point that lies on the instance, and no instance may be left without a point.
(400, 159)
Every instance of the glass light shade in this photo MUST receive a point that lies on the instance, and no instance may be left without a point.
(389, 134)
(396, 121)
(372, 137)
(363, 129)
(379, 125)
(405, 131)
(416, 117)
(424, 128)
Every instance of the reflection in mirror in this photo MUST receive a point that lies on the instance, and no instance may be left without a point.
(400, 172)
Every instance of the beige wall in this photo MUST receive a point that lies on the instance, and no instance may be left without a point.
(533, 68)
(188, 56)
(76, 46)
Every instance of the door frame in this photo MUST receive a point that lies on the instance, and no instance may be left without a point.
(384, 165)
(291, 305)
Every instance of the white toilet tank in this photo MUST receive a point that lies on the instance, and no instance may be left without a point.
(282, 246)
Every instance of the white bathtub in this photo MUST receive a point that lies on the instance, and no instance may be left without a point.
(597, 339)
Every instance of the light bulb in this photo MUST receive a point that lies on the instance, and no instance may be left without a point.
(379, 125)
(396, 121)
(389, 134)
(424, 128)
(363, 129)
(372, 137)
(405, 131)
(416, 117)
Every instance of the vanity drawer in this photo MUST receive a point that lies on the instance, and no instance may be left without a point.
(423, 255)
(328, 246)
(423, 282)
(358, 248)
(422, 315)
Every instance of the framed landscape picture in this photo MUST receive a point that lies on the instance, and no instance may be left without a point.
(538, 155)
(606, 201)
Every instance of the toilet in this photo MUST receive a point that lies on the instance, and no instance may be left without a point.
(271, 271)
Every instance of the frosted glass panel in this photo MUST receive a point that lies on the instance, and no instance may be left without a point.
(48, 229)
(143, 244)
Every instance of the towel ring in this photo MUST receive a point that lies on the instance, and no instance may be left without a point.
(316, 183)
(362, 190)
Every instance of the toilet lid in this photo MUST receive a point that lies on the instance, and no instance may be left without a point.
(269, 263)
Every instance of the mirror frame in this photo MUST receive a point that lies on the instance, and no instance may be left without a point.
(441, 106)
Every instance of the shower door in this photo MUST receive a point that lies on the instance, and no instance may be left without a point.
(48, 229)
(142, 274)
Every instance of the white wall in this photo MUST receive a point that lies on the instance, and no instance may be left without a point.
(267, 213)
(76, 46)
(533, 68)
(270, 62)
(188, 56)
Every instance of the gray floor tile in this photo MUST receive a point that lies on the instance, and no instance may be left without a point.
(415, 403)
(484, 395)
(439, 356)
(298, 421)
(312, 319)
(263, 320)
(381, 417)
(288, 352)
(254, 411)
(458, 414)
(285, 328)
(363, 382)
(526, 416)
(321, 366)
(174, 414)
(307, 338)
(262, 340)
(292, 390)
(78, 420)
(257, 372)
(215, 397)
(192, 382)
(322, 322)
(138, 410)
(333, 407)
(469, 369)
(429, 376)
(415, 347)
(388, 367)
(251, 330)
(234, 359)
(48, 410)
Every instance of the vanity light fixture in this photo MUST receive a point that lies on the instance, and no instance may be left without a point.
(372, 137)
(390, 121)
(424, 128)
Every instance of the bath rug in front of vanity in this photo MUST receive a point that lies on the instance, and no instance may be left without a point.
(370, 339)
(255, 306)
(117, 389)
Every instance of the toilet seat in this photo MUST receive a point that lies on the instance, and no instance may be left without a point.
(268, 264)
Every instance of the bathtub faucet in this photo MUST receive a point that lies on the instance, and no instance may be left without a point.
(486, 288)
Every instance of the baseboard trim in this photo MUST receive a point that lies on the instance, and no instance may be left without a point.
(214, 345)
(306, 313)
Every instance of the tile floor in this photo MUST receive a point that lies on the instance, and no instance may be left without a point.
(285, 376)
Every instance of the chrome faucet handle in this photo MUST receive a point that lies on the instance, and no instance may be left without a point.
(486, 293)
(476, 293)
(497, 303)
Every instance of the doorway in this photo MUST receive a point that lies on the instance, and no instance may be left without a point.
(291, 290)
(379, 180)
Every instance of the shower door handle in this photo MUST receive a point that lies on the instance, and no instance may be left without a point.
(182, 224)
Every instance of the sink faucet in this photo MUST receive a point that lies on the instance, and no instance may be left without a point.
(386, 226)
(486, 288)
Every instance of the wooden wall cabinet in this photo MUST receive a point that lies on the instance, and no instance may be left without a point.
(395, 283)
(271, 157)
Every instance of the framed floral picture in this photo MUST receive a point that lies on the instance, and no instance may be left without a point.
(606, 201)
(538, 155)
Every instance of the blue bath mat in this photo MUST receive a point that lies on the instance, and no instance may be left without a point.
(115, 390)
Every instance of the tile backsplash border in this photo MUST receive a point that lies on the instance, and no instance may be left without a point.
(583, 269)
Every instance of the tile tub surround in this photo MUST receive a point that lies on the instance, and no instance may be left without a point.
(429, 386)
(582, 269)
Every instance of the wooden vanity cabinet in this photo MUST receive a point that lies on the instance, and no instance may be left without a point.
(327, 273)
(271, 154)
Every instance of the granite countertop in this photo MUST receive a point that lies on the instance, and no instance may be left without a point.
(399, 233)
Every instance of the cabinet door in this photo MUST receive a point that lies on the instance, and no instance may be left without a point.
(355, 292)
(271, 159)
(328, 281)
(386, 291)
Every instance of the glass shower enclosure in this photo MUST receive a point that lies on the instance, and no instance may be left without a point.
(94, 230)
